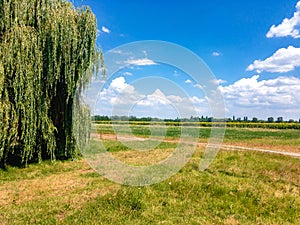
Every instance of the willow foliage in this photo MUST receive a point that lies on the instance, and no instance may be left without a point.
(47, 48)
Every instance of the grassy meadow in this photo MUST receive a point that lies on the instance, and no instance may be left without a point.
(240, 187)
(277, 139)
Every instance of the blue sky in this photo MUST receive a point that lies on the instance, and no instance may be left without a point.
(252, 47)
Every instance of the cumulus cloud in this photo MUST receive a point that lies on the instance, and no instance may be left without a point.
(278, 96)
(218, 81)
(155, 99)
(201, 86)
(121, 98)
(105, 30)
(288, 27)
(283, 60)
(119, 85)
(140, 62)
(216, 54)
(118, 92)
(246, 97)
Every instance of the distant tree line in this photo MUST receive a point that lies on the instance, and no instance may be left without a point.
(193, 119)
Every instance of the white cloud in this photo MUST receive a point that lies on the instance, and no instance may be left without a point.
(283, 60)
(154, 99)
(140, 62)
(288, 27)
(199, 86)
(216, 54)
(121, 98)
(118, 92)
(105, 30)
(250, 97)
(195, 100)
(218, 81)
(127, 74)
(119, 85)
(275, 97)
(117, 51)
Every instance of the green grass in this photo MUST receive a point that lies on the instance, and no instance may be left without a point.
(117, 146)
(252, 136)
(248, 133)
(238, 188)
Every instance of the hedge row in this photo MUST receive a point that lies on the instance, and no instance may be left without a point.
(265, 125)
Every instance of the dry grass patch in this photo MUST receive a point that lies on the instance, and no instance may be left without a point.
(143, 158)
(68, 189)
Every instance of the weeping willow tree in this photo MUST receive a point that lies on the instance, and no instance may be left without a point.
(47, 49)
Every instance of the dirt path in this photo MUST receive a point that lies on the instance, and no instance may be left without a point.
(241, 148)
(288, 151)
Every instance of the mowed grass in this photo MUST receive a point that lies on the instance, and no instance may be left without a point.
(238, 188)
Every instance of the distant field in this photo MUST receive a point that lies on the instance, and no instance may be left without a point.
(240, 187)
(276, 139)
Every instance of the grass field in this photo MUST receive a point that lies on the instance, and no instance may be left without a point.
(278, 139)
(240, 187)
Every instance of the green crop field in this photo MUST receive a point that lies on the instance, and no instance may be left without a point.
(239, 187)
